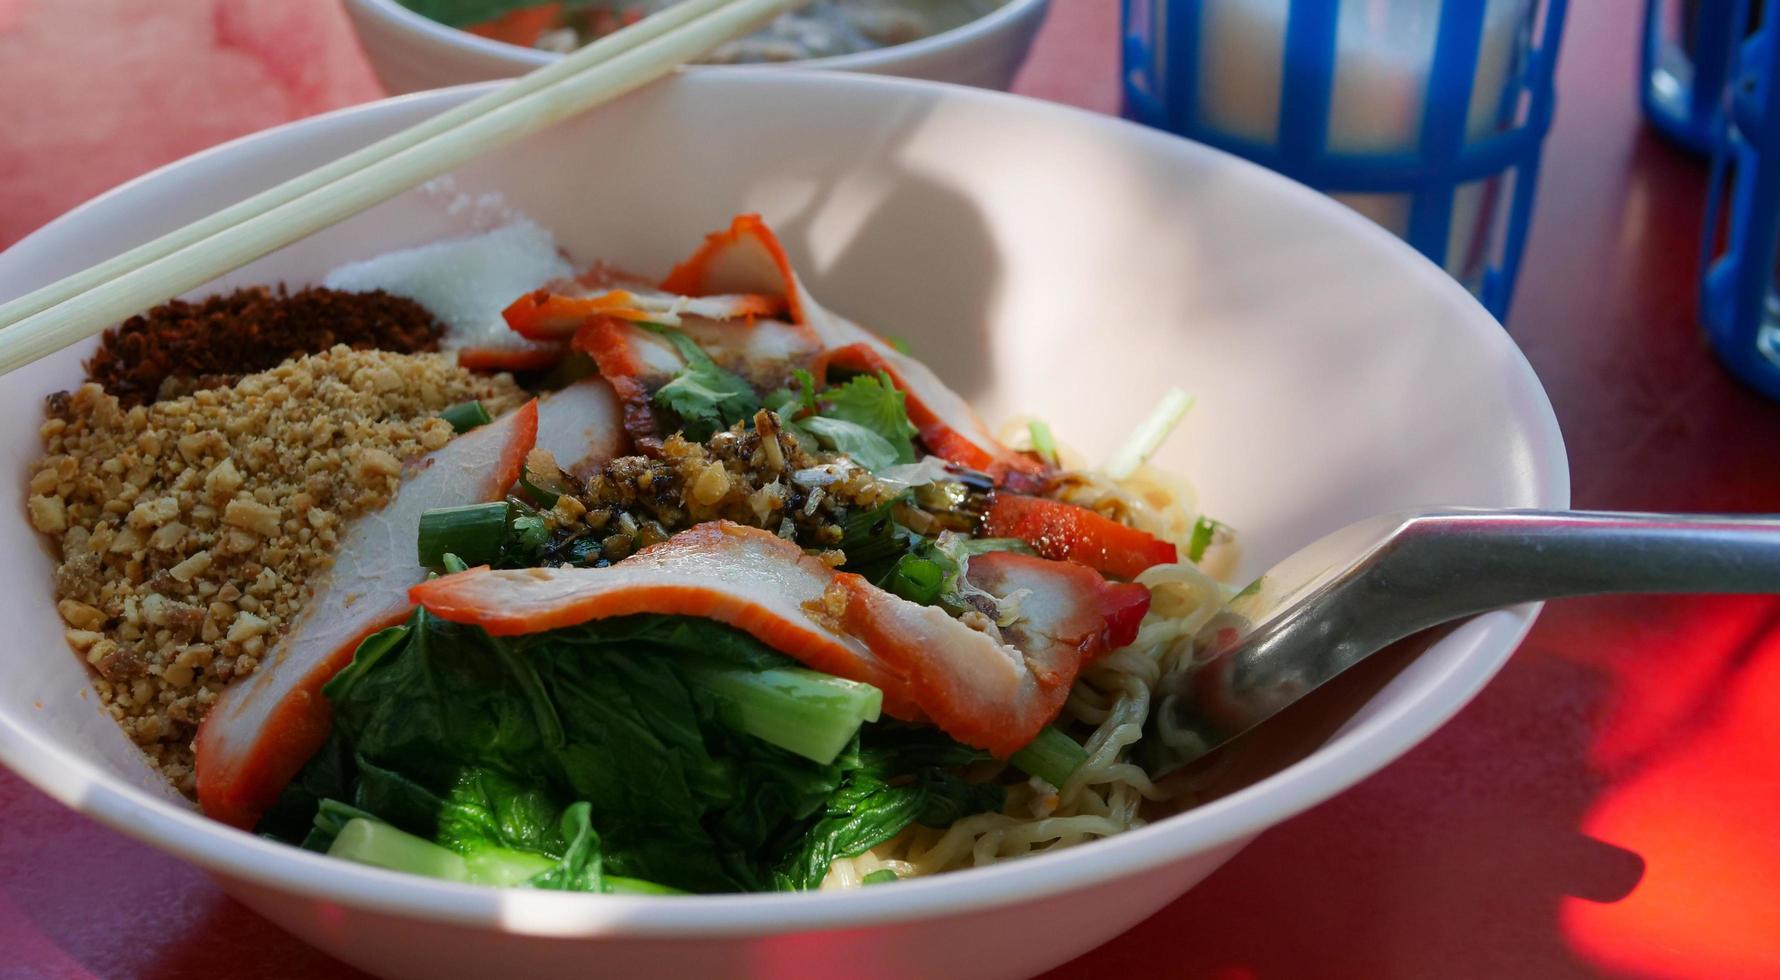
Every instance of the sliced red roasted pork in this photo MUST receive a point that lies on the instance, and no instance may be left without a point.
(582, 426)
(747, 258)
(262, 730)
(1066, 532)
(991, 688)
(547, 315)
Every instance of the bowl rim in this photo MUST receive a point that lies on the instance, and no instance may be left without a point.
(394, 14)
(1351, 755)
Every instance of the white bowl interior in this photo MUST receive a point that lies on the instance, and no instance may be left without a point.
(1043, 260)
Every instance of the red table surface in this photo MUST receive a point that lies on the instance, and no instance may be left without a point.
(1606, 807)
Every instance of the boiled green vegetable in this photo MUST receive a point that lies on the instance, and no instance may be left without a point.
(635, 748)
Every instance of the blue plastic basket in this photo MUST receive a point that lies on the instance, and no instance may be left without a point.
(1689, 46)
(1167, 63)
(1738, 305)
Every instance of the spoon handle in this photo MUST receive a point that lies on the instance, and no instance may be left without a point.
(1371, 584)
(1364, 587)
(1462, 562)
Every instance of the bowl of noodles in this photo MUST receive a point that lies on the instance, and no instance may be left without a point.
(421, 44)
(625, 562)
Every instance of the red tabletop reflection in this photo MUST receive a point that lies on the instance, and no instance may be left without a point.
(1606, 807)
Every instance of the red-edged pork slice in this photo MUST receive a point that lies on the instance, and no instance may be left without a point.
(263, 729)
(637, 361)
(582, 426)
(992, 693)
(507, 348)
(744, 577)
(523, 356)
(949, 427)
(1063, 609)
(1066, 532)
(980, 689)
(748, 258)
(547, 315)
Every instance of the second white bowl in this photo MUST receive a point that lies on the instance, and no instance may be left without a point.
(411, 53)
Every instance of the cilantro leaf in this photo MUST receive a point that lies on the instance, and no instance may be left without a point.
(705, 397)
(790, 403)
(866, 447)
(875, 403)
(530, 533)
(779, 402)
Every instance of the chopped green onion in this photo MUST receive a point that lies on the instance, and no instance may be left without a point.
(541, 479)
(882, 876)
(1203, 530)
(873, 540)
(473, 533)
(810, 714)
(1052, 757)
(453, 564)
(917, 579)
(382, 846)
(1150, 435)
(1042, 442)
(466, 416)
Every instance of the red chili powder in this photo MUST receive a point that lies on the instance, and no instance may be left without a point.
(180, 347)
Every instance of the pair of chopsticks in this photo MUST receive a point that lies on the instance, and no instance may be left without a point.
(72, 309)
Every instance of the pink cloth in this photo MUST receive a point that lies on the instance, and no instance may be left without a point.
(94, 92)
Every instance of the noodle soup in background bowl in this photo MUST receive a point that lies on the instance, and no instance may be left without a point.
(1069, 266)
(411, 52)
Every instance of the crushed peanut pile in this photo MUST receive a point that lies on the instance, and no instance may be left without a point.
(188, 529)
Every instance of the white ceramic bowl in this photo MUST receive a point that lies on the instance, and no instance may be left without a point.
(412, 53)
(1044, 260)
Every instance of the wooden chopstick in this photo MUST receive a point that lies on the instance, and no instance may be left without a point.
(64, 312)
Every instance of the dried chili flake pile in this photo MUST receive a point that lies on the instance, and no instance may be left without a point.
(180, 347)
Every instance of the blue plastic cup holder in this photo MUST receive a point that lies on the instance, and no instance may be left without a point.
(1427, 116)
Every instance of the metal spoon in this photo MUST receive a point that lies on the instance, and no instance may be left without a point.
(1370, 584)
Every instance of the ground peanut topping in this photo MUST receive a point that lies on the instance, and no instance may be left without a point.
(189, 528)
